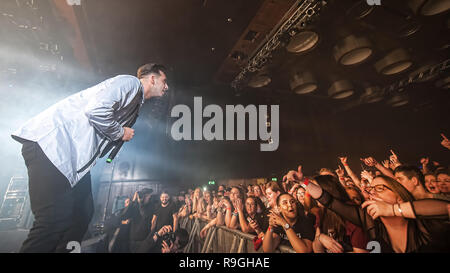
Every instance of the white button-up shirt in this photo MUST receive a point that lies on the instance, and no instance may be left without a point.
(70, 131)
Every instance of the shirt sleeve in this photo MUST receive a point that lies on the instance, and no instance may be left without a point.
(113, 95)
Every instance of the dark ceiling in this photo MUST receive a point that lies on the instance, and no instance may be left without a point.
(206, 43)
(191, 37)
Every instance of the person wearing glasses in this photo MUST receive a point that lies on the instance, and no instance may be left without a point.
(392, 217)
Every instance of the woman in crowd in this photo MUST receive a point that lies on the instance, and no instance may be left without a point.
(273, 190)
(237, 199)
(253, 218)
(392, 216)
(258, 192)
(443, 180)
(334, 234)
(206, 210)
(291, 226)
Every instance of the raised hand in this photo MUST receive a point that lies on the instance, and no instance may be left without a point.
(366, 175)
(300, 172)
(445, 142)
(424, 161)
(394, 160)
(343, 160)
(166, 248)
(369, 161)
(340, 172)
(292, 176)
(276, 219)
(239, 205)
(385, 163)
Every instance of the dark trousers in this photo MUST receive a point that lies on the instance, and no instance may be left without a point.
(62, 213)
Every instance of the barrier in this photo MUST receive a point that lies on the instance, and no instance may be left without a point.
(220, 239)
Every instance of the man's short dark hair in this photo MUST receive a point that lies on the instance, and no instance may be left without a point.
(150, 68)
(183, 237)
(410, 172)
(442, 170)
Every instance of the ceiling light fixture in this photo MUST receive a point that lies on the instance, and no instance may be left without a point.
(395, 62)
(352, 50)
(303, 83)
(341, 89)
(303, 41)
(429, 7)
(372, 94)
(360, 10)
(398, 100)
(260, 79)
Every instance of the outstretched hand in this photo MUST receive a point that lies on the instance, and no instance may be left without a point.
(394, 160)
(445, 142)
(340, 172)
(369, 161)
(377, 208)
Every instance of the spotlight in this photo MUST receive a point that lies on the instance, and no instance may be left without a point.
(395, 62)
(352, 50)
(398, 100)
(303, 83)
(303, 41)
(429, 7)
(260, 79)
(341, 89)
(360, 10)
(372, 94)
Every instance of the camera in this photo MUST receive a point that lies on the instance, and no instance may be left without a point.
(169, 237)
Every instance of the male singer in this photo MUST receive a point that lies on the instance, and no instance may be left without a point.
(61, 144)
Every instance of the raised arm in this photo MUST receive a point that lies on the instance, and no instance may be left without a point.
(371, 162)
(445, 142)
(350, 172)
(422, 209)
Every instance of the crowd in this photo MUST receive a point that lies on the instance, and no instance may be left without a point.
(404, 208)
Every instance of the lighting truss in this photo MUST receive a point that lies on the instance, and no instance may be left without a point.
(304, 11)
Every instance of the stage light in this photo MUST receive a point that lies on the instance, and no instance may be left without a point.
(398, 100)
(303, 41)
(341, 89)
(303, 83)
(260, 79)
(394, 62)
(352, 50)
(429, 7)
(372, 94)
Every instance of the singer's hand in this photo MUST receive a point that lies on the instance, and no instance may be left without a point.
(128, 134)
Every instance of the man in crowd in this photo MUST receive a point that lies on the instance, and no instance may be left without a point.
(165, 213)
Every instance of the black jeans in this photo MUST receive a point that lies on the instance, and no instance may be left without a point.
(62, 213)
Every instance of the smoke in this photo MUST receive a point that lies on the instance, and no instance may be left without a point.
(29, 85)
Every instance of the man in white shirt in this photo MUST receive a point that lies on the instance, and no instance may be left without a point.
(62, 143)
